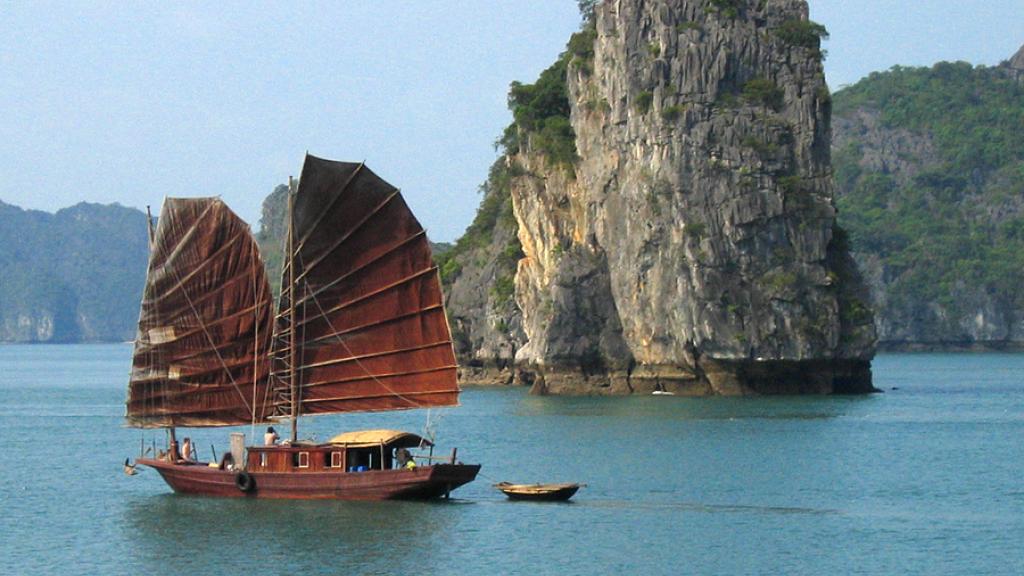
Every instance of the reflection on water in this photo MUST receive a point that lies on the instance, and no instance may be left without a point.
(684, 408)
(396, 537)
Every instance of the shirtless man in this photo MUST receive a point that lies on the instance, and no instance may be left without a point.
(186, 449)
(271, 437)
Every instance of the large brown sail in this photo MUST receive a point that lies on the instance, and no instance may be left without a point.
(201, 354)
(370, 331)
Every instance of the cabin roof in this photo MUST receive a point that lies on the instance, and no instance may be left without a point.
(366, 438)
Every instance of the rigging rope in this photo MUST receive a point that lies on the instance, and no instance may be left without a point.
(199, 318)
(412, 403)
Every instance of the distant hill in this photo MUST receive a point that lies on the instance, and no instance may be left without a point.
(929, 166)
(78, 275)
(73, 276)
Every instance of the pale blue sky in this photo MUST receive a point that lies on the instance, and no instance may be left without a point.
(108, 104)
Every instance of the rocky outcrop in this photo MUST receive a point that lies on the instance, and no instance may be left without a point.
(691, 246)
(932, 197)
(73, 276)
(486, 324)
(1015, 65)
(478, 275)
(899, 152)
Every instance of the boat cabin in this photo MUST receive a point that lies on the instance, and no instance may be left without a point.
(349, 452)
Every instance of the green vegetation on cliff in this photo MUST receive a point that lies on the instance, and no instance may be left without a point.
(495, 207)
(273, 227)
(76, 275)
(540, 113)
(974, 114)
(944, 214)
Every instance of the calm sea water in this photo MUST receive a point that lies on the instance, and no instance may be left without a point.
(925, 479)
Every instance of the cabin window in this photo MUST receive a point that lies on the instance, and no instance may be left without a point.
(263, 459)
(335, 459)
(301, 460)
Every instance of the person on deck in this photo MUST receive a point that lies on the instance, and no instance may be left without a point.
(404, 459)
(271, 437)
(186, 449)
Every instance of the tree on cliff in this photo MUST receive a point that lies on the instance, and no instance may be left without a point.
(929, 164)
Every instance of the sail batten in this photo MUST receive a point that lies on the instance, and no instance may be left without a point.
(338, 194)
(198, 330)
(336, 335)
(311, 265)
(385, 396)
(341, 306)
(201, 354)
(365, 312)
(182, 281)
(336, 361)
(381, 376)
(362, 268)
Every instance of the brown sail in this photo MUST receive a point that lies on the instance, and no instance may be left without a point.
(201, 354)
(367, 329)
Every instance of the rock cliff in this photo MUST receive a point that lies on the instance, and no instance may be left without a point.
(478, 274)
(930, 172)
(73, 276)
(1016, 64)
(688, 243)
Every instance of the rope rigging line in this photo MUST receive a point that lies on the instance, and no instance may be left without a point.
(335, 332)
(213, 346)
(206, 332)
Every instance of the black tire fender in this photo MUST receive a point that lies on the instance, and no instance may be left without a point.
(245, 482)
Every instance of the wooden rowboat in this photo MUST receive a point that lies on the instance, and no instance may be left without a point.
(542, 492)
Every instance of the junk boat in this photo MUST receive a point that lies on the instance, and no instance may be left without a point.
(360, 327)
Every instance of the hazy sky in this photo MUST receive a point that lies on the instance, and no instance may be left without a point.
(109, 104)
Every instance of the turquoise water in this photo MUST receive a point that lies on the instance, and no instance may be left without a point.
(926, 479)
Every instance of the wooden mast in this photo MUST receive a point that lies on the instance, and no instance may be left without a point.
(292, 374)
(149, 227)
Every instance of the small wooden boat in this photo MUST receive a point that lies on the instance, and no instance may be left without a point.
(541, 492)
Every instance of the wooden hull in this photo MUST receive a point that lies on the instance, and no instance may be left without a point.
(538, 492)
(401, 484)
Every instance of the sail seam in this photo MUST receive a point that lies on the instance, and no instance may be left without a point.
(362, 267)
(306, 268)
(362, 327)
(378, 291)
(327, 209)
(387, 375)
(374, 355)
